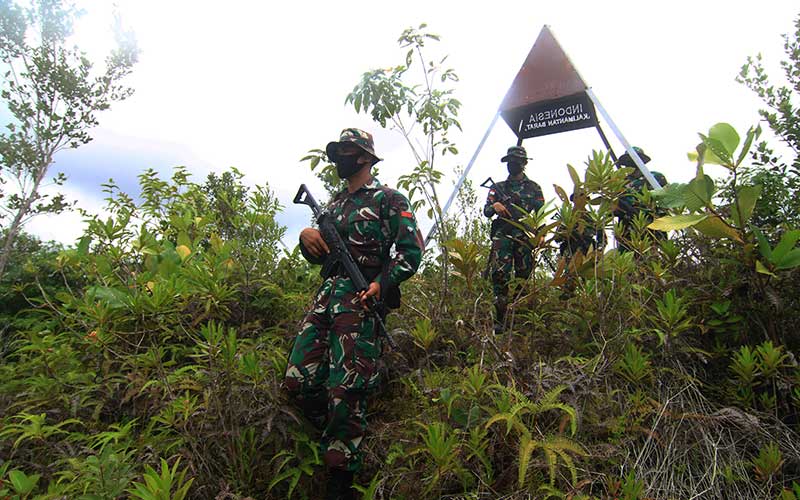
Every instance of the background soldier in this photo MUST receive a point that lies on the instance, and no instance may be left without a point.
(333, 362)
(584, 235)
(509, 251)
(629, 206)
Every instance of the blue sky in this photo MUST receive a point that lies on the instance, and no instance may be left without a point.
(250, 85)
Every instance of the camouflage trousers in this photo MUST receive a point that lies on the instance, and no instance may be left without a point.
(331, 369)
(508, 255)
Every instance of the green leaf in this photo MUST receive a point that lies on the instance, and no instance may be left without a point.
(83, 245)
(788, 241)
(561, 193)
(726, 136)
(113, 297)
(671, 196)
(708, 155)
(699, 193)
(718, 148)
(183, 239)
(752, 133)
(716, 228)
(576, 179)
(790, 260)
(746, 198)
(676, 222)
(763, 244)
(22, 483)
(761, 268)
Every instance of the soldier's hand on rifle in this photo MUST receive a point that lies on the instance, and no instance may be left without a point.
(501, 209)
(312, 239)
(374, 290)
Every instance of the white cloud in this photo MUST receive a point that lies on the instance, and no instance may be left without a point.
(255, 86)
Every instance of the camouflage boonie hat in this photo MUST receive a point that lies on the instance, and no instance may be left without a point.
(517, 152)
(626, 161)
(352, 136)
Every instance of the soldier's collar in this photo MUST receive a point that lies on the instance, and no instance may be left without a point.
(524, 178)
(372, 183)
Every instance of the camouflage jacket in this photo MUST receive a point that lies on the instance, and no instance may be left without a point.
(371, 221)
(523, 192)
(628, 204)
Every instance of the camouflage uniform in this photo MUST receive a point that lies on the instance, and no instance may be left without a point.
(583, 237)
(333, 361)
(508, 249)
(629, 206)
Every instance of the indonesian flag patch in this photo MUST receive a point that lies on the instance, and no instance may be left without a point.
(407, 215)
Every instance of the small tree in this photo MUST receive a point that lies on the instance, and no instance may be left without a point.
(423, 113)
(54, 98)
(781, 181)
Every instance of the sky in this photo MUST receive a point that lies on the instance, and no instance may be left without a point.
(255, 85)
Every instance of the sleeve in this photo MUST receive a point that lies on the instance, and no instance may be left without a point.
(408, 242)
(488, 209)
(660, 178)
(310, 258)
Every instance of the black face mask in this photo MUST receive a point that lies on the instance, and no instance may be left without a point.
(347, 166)
(515, 168)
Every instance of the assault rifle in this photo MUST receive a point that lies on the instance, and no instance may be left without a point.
(340, 255)
(505, 199)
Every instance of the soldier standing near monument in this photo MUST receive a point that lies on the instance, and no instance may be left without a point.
(584, 235)
(629, 206)
(509, 252)
(333, 362)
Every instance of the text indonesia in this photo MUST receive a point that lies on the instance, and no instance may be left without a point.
(557, 116)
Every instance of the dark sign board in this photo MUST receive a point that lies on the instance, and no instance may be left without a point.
(571, 112)
(548, 95)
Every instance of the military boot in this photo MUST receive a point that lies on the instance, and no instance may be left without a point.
(340, 485)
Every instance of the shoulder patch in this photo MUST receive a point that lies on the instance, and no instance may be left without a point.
(407, 215)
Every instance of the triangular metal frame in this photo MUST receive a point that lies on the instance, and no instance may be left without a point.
(513, 99)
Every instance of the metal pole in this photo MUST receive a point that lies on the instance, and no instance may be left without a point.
(605, 141)
(463, 176)
(639, 163)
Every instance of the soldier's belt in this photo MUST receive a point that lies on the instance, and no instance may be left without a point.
(337, 270)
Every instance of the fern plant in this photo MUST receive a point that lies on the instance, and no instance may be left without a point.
(34, 427)
(293, 464)
(768, 463)
(443, 448)
(770, 358)
(424, 334)
(371, 490)
(522, 417)
(793, 494)
(745, 366)
(104, 475)
(634, 365)
(673, 316)
(475, 382)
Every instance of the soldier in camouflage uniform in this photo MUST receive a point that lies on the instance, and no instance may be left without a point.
(628, 205)
(509, 251)
(584, 235)
(333, 362)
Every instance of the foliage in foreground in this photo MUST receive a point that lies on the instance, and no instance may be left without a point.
(149, 362)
